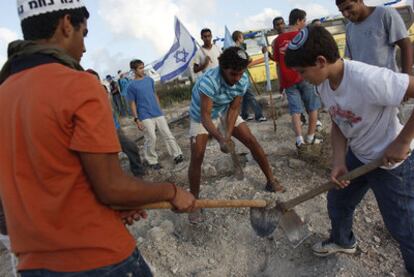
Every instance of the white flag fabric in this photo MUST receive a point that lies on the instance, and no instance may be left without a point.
(228, 40)
(179, 56)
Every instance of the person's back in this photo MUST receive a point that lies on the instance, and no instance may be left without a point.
(42, 175)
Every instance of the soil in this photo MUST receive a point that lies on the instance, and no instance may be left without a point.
(225, 244)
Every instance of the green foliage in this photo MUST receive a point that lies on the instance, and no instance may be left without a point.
(173, 93)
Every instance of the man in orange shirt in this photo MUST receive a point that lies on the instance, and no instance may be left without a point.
(59, 169)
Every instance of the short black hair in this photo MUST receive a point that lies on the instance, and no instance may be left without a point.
(234, 58)
(205, 30)
(340, 2)
(43, 26)
(295, 15)
(276, 19)
(319, 43)
(135, 63)
(236, 34)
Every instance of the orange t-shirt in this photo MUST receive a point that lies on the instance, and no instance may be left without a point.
(49, 113)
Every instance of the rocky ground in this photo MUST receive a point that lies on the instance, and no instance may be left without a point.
(225, 244)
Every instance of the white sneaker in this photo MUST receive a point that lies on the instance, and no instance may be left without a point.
(315, 140)
(328, 247)
(319, 126)
(250, 117)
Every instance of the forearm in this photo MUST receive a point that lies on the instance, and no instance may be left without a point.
(130, 191)
(133, 109)
(406, 56)
(210, 127)
(199, 68)
(339, 144)
(113, 187)
(232, 114)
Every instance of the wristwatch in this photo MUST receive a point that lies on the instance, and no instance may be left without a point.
(136, 119)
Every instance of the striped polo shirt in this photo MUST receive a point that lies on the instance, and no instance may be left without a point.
(212, 84)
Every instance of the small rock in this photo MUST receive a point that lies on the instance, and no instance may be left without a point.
(367, 220)
(167, 226)
(376, 239)
(156, 234)
(209, 170)
(174, 270)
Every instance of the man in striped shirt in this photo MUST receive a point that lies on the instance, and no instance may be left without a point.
(218, 93)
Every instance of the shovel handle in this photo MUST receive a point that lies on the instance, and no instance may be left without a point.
(357, 172)
(203, 203)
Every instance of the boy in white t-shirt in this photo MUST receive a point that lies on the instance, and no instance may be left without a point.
(363, 103)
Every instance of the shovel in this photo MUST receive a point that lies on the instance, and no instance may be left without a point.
(265, 222)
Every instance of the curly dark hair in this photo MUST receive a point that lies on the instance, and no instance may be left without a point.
(319, 43)
(43, 26)
(234, 58)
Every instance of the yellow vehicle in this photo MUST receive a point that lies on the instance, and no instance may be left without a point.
(335, 25)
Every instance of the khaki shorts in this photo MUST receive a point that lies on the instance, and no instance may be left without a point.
(197, 128)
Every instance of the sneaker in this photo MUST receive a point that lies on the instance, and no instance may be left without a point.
(156, 166)
(299, 145)
(315, 140)
(250, 117)
(261, 119)
(328, 247)
(178, 159)
(279, 188)
(197, 217)
(319, 126)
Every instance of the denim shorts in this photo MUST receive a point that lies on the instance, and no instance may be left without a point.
(302, 95)
(133, 266)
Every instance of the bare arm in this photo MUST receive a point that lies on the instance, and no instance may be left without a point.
(399, 149)
(232, 114)
(206, 107)
(406, 55)
(339, 144)
(198, 68)
(113, 187)
(134, 112)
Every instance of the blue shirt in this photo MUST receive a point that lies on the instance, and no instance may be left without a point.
(142, 92)
(212, 84)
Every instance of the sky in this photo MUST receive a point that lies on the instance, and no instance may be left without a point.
(121, 30)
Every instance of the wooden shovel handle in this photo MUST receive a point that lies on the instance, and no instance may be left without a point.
(357, 172)
(203, 203)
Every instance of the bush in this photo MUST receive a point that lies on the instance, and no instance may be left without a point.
(173, 93)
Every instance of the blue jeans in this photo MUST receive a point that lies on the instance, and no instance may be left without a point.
(394, 192)
(249, 100)
(302, 94)
(131, 150)
(133, 266)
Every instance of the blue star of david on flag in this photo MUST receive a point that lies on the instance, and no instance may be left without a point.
(179, 56)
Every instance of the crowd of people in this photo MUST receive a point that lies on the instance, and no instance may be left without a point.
(60, 172)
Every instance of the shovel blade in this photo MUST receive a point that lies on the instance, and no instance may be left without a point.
(294, 228)
(264, 221)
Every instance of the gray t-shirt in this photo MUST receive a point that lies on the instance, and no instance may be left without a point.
(372, 41)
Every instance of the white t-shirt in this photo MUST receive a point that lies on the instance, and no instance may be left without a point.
(214, 52)
(365, 107)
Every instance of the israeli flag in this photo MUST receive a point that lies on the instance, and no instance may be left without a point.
(179, 56)
(228, 40)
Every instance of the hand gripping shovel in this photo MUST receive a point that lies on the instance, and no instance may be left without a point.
(265, 221)
(238, 170)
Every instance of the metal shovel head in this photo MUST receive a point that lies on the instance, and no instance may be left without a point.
(264, 221)
(295, 229)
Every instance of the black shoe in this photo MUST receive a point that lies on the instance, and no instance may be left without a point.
(179, 159)
(156, 166)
